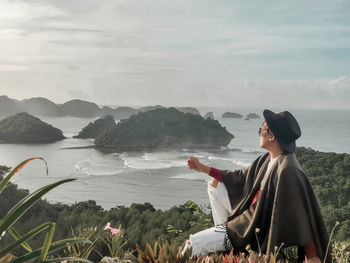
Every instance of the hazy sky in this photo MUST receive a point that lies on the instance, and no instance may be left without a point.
(180, 53)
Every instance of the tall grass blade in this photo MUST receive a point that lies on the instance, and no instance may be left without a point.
(19, 209)
(30, 234)
(55, 246)
(17, 236)
(19, 167)
(47, 242)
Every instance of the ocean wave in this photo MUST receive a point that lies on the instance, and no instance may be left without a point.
(238, 162)
(212, 157)
(98, 167)
(234, 150)
(191, 176)
(153, 160)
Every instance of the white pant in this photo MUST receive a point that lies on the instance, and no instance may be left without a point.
(212, 239)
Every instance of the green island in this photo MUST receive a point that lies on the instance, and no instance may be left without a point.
(142, 224)
(253, 116)
(164, 128)
(231, 115)
(96, 128)
(25, 128)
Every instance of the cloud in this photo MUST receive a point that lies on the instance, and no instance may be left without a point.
(301, 93)
(143, 51)
(339, 88)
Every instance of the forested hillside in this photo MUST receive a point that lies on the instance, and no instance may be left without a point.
(329, 174)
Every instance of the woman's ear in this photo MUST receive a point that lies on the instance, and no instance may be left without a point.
(271, 138)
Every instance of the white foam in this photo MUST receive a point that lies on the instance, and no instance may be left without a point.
(99, 166)
(191, 176)
(153, 160)
(212, 157)
(241, 163)
(238, 162)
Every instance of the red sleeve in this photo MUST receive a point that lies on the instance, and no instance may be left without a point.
(217, 174)
(310, 251)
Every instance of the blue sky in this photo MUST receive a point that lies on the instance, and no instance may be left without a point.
(269, 54)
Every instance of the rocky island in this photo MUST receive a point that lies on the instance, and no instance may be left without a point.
(252, 116)
(231, 115)
(96, 128)
(209, 115)
(164, 128)
(25, 128)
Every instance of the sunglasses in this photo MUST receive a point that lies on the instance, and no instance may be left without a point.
(261, 129)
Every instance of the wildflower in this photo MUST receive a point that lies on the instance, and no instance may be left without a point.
(114, 231)
(108, 226)
(257, 230)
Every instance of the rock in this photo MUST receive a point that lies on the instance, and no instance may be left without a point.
(252, 116)
(189, 110)
(209, 115)
(164, 128)
(110, 260)
(40, 107)
(80, 108)
(231, 115)
(96, 128)
(25, 128)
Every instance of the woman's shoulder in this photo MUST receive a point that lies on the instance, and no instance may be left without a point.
(289, 161)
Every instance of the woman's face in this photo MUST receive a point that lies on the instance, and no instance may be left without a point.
(265, 136)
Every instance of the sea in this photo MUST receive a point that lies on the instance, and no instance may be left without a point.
(161, 178)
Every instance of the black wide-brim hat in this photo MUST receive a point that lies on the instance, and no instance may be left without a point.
(284, 127)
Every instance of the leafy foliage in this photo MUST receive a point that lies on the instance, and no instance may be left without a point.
(94, 129)
(165, 252)
(329, 174)
(16, 212)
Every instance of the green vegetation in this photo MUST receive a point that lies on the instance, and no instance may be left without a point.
(25, 128)
(142, 223)
(165, 252)
(7, 223)
(164, 128)
(96, 128)
(329, 174)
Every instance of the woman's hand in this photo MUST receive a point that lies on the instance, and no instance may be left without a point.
(194, 164)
